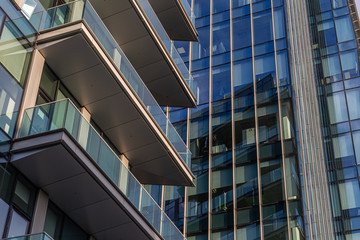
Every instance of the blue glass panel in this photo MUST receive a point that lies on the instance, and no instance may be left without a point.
(201, 49)
(353, 97)
(331, 68)
(202, 80)
(220, 5)
(243, 76)
(263, 30)
(279, 23)
(201, 8)
(221, 38)
(350, 64)
(221, 80)
(327, 35)
(336, 103)
(356, 139)
(344, 29)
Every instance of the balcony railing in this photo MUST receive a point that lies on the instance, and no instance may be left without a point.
(82, 9)
(188, 10)
(38, 236)
(169, 45)
(64, 115)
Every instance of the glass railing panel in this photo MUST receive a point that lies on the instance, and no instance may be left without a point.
(188, 10)
(64, 115)
(155, 22)
(83, 10)
(38, 236)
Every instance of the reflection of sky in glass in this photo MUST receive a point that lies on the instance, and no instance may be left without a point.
(357, 2)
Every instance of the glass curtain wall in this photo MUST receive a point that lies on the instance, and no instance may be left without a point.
(242, 135)
(337, 64)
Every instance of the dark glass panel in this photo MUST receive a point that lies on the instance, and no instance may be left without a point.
(221, 131)
(246, 186)
(272, 181)
(242, 32)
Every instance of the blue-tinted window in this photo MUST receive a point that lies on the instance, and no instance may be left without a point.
(336, 106)
(327, 35)
(344, 29)
(201, 49)
(242, 32)
(220, 5)
(221, 79)
(350, 64)
(221, 38)
(201, 8)
(263, 30)
(202, 81)
(353, 98)
(243, 75)
(239, 3)
(279, 23)
(339, 3)
(331, 68)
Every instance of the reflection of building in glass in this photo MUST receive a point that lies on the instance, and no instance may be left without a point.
(260, 141)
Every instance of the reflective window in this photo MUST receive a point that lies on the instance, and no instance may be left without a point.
(201, 8)
(202, 81)
(221, 80)
(244, 127)
(222, 193)
(272, 181)
(18, 225)
(242, 32)
(263, 30)
(221, 130)
(349, 194)
(353, 96)
(279, 23)
(350, 64)
(331, 68)
(343, 150)
(243, 76)
(201, 48)
(344, 29)
(356, 138)
(327, 35)
(221, 37)
(250, 232)
(246, 186)
(337, 111)
(220, 5)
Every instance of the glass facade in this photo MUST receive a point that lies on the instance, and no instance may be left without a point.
(275, 137)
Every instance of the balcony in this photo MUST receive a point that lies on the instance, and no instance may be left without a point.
(144, 41)
(81, 51)
(38, 236)
(177, 18)
(58, 150)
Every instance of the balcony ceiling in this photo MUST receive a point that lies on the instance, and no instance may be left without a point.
(84, 68)
(146, 53)
(56, 164)
(175, 20)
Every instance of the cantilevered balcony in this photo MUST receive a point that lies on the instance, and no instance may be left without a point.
(140, 34)
(58, 150)
(81, 51)
(177, 18)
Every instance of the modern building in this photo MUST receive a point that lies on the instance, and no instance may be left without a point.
(106, 135)
(83, 128)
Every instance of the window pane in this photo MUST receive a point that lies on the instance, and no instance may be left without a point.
(18, 225)
(337, 111)
(243, 76)
(263, 30)
(279, 23)
(221, 37)
(344, 29)
(221, 82)
(327, 35)
(242, 32)
(349, 194)
(201, 49)
(350, 64)
(353, 96)
(343, 150)
(4, 208)
(331, 68)
(356, 138)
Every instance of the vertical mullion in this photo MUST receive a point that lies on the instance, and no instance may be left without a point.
(256, 123)
(210, 120)
(233, 121)
(280, 121)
